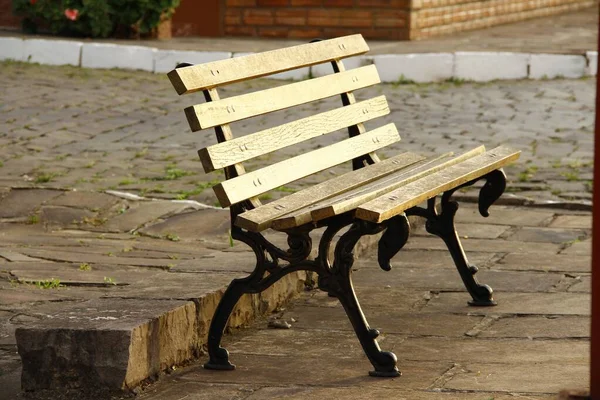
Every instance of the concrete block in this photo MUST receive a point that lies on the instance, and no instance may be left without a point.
(556, 65)
(11, 48)
(592, 63)
(108, 55)
(416, 67)
(295, 74)
(52, 52)
(167, 60)
(484, 67)
(349, 63)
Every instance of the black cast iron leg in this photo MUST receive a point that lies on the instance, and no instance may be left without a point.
(219, 357)
(339, 284)
(442, 225)
(383, 362)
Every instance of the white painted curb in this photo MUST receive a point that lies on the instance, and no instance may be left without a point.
(548, 66)
(485, 67)
(422, 68)
(109, 55)
(429, 67)
(52, 52)
(11, 48)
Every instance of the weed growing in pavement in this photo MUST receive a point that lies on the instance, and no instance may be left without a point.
(85, 267)
(51, 283)
(571, 176)
(402, 80)
(45, 178)
(33, 219)
(171, 173)
(200, 187)
(141, 153)
(172, 237)
(109, 281)
(527, 173)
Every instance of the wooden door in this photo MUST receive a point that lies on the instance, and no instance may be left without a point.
(198, 18)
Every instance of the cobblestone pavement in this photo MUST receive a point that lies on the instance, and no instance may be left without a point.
(96, 130)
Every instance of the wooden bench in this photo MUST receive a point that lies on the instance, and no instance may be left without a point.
(376, 196)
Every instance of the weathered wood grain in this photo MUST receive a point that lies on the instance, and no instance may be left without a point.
(256, 182)
(399, 200)
(208, 115)
(247, 147)
(352, 199)
(209, 75)
(261, 218)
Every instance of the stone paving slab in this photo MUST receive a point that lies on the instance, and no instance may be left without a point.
(548, 377)
(419, 306)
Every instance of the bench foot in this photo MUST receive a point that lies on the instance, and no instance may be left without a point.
(484, 303)
(386, 374)
(220, 364)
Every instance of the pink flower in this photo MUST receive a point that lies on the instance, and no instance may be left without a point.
(71, 14)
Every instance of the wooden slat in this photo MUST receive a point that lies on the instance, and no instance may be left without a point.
(261, 218)
(254, 183)
(399, 200)
(352, 199)
(303, 215)
(209, 75)
(208, 115)
(247, 147)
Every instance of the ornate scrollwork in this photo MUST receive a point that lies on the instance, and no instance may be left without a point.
(393, 240)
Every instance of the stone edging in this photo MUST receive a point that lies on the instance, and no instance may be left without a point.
(422, 67)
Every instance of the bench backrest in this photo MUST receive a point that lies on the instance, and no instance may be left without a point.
(230, 152)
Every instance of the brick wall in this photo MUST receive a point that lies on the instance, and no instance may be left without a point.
(381, 19)
(442, 17)
(375, 19)
(7, 20)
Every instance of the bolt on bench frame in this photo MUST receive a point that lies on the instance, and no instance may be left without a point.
(377, 196)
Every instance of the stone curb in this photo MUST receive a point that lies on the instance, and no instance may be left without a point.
(401, 68)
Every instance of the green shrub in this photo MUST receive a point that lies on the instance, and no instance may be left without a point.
(94, 18)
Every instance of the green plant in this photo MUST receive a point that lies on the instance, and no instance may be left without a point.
(402, 80)
(571, 176)
(527, 173)
(85, 267)
(109, 281)
(172, 237)
(51, 283)
(95, 18)
(45, 178)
